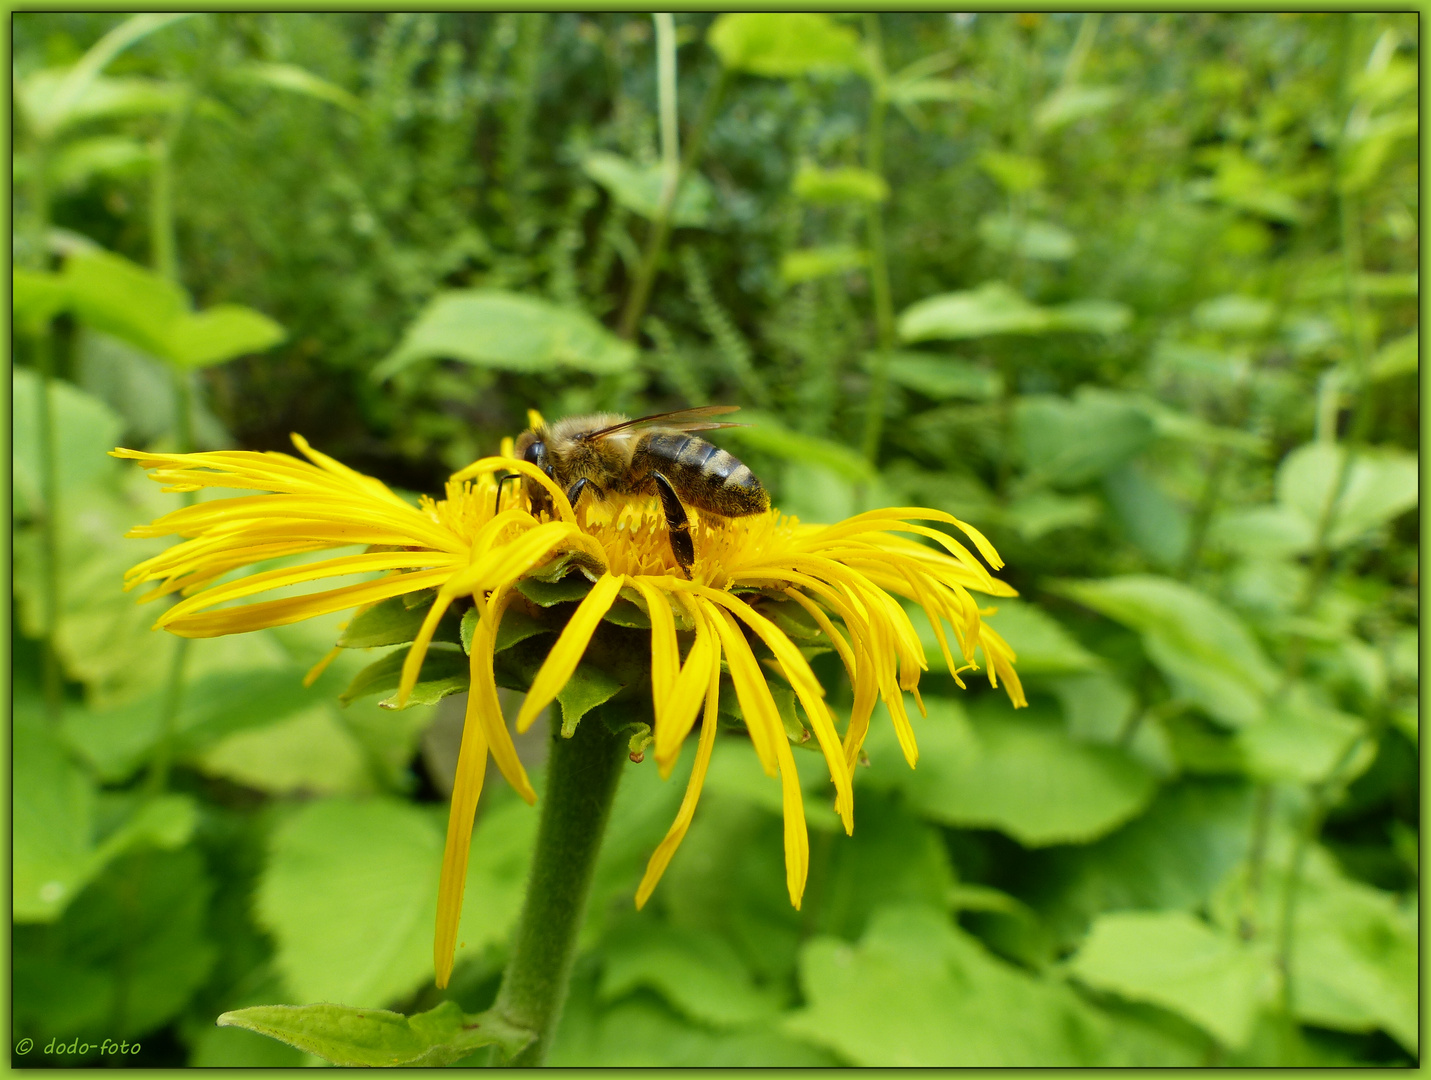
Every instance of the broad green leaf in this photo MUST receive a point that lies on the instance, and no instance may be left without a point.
(126, 958)
(1150, 517)
(1096, 705)
(1234, 314)
(1203, 648)
(36, 297)
(1013, 172)
(942, 378)
(1068, 104)
(1300, 741)
(314, 751)
(918, 991)
(1398, 357)
(295, 80)
(1067, 442)
(1270, 531)
(444, 671)
(697, 971)
(221, 333)
(354, 1037)
(785, 44)
(639, 188)
(808, 264)
(1177, 961)
(85, 430)
(509, 332)
(995, 308)
(350, 894)
(1019, 773)
(831, 187)
(1171, 857)
(105, 98)
(736, 772)
(102, 155)
(1040, 240)
(1245, 185)
(1381, 484)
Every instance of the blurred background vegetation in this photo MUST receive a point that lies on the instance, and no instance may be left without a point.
(1136, 294)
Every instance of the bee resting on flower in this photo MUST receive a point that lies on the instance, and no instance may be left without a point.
(480, 547)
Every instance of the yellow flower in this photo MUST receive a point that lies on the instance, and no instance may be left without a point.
(845, 577)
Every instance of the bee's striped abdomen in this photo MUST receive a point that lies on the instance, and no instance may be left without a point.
(704, 475)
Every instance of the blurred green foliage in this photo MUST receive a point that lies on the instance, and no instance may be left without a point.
(1136, 294)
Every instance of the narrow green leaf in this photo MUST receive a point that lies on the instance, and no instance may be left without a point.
(393, 622)
(785, 44)
(563, 590)
(295, 80)
(355, 1037)
(444, 672)
(588, 687)
(639, 188)
(808, 264)
(830, 187)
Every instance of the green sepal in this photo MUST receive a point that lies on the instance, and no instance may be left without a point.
(348, 1036)
(516, 626)
(561, 591)
(444, 672)
(588, 687)
(396, 621)
(785, 704)
(625, 613)
(793, 619)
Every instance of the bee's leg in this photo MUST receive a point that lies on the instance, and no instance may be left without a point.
(681, 545)
(574, 492)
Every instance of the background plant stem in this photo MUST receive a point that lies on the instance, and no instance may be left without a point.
(582, 776)
(640, 294)
(879, 253)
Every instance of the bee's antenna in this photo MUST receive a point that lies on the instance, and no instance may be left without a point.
(497, 508)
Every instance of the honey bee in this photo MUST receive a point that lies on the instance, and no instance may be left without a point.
(606, 453)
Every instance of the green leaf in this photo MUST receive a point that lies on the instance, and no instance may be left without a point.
(697, 971)
(1398, 357)
(942, 378)
(350, 894)
(768, 434)
(1300, 741)
(1042, 241)
(1234, 314)
(1042, 511)
(1013, 172)
(444, 671)
(831, 187)
(785, 44)
(809, 264)
(1382, 483)
(1150, 517)
(1203, 648)
(221, 333)
(85, 430)
(1065, 443)
(639, 188)
(104, 98)
(495, 329)
(1177, 961)
(122, 298)
(355, 1037)
(588, 687)
(995, 308)
(37, 296)
(294, 80)
(1019, 772)
(1068, 104)
(516, 627)
(918, 991)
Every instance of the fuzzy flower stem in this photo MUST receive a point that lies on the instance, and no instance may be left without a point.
(582, 775)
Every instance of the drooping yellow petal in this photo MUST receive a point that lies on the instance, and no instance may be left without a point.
(569, 648)
(673, 723)
(797, 671)
(483, 692)
(466, 790)
(527, 469)
(661, 857)
(665, 656)
(762, 718)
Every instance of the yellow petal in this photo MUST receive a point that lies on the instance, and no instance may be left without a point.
(527, 469)
(673, 724)
(466, 790)
(665, 656)
(661, 857)
(762, 718)
(569, 648)
(483, 690)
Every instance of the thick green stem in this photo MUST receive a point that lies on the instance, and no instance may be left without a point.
(582, 776)
(640, 294)
(879, 251)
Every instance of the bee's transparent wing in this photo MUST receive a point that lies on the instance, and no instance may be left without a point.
(681, 420)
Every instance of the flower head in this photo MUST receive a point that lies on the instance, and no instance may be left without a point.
(754, 578)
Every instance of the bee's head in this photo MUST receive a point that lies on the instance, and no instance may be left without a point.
(532, 448)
